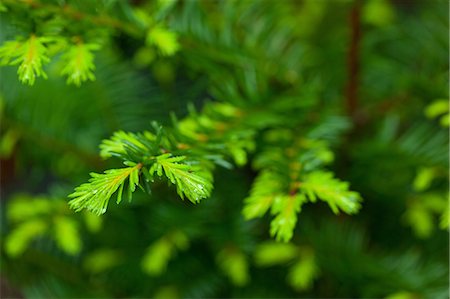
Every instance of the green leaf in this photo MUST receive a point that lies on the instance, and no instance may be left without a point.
(157, 257)
(31, 55)
(19, 239)
(102, 260)
(122, 142)
(302, 273)
(93, 222)
(160, 252)
(445, 120)
(437, 108)
(164, 40)
(179, 239)
(378, 12)
(190, 181)
(95, 195)
(422, 211)
(8, 51)
(67, 236)
(424, 178)
(79, 63)
(403, 295)
(23, 207)
(420, 219)
(322, 185)
(3, 8)
(234, 264)
(272, 253)
(285, 208)
(239, 155)
(265, 189)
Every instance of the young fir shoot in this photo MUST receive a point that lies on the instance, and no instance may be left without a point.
(193, 185)
(285, 208)
(79, 63)
(288, 177)
(31, 55)
(266, 187)
(322, 185)
(164, 40)
(266, 194)
(283, 190)
(191, 180)
(95, 194)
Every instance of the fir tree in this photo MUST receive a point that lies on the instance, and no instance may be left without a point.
(261, 151)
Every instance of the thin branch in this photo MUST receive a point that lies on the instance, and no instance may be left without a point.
(352, 101)
(77, 15)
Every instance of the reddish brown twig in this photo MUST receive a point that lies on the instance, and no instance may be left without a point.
(353, 62)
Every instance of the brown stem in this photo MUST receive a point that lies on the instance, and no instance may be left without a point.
(353, 62)
(77, 15)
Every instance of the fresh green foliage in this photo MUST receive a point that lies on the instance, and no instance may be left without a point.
(95, 195)
(304, 271)
(63, 32)
(425, 206)
(163, 39)
(285, 208)
(158, 255)
(102, 260)
(319, 184)
(268, 121)
(122, 143)
(266, 188)
(79, 63)
(235, 265)
(439, 108)
(20, 238)
(193, 176)
(66, 234)
(190, 181)
(291, 176)
(272, 253)
(31, 55)
(41, 217)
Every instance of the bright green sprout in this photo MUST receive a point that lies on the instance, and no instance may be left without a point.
(31, 55)
(193, 184)
(95, 194)
(79, 63)
(322, 185)
(164, 40)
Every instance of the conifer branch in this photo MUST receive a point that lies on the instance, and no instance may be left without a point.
(322, 185)
(190, 182)
(79, 63)
(266, 187)
(95, 194)
(285, 208)
(31, 55)
(77, 15)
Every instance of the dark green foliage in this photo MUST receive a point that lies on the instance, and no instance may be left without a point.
(258, 149)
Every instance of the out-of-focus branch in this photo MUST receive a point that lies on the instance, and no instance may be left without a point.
(77, 15)
(353, 62)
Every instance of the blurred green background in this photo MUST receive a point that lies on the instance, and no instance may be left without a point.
(379, 66)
